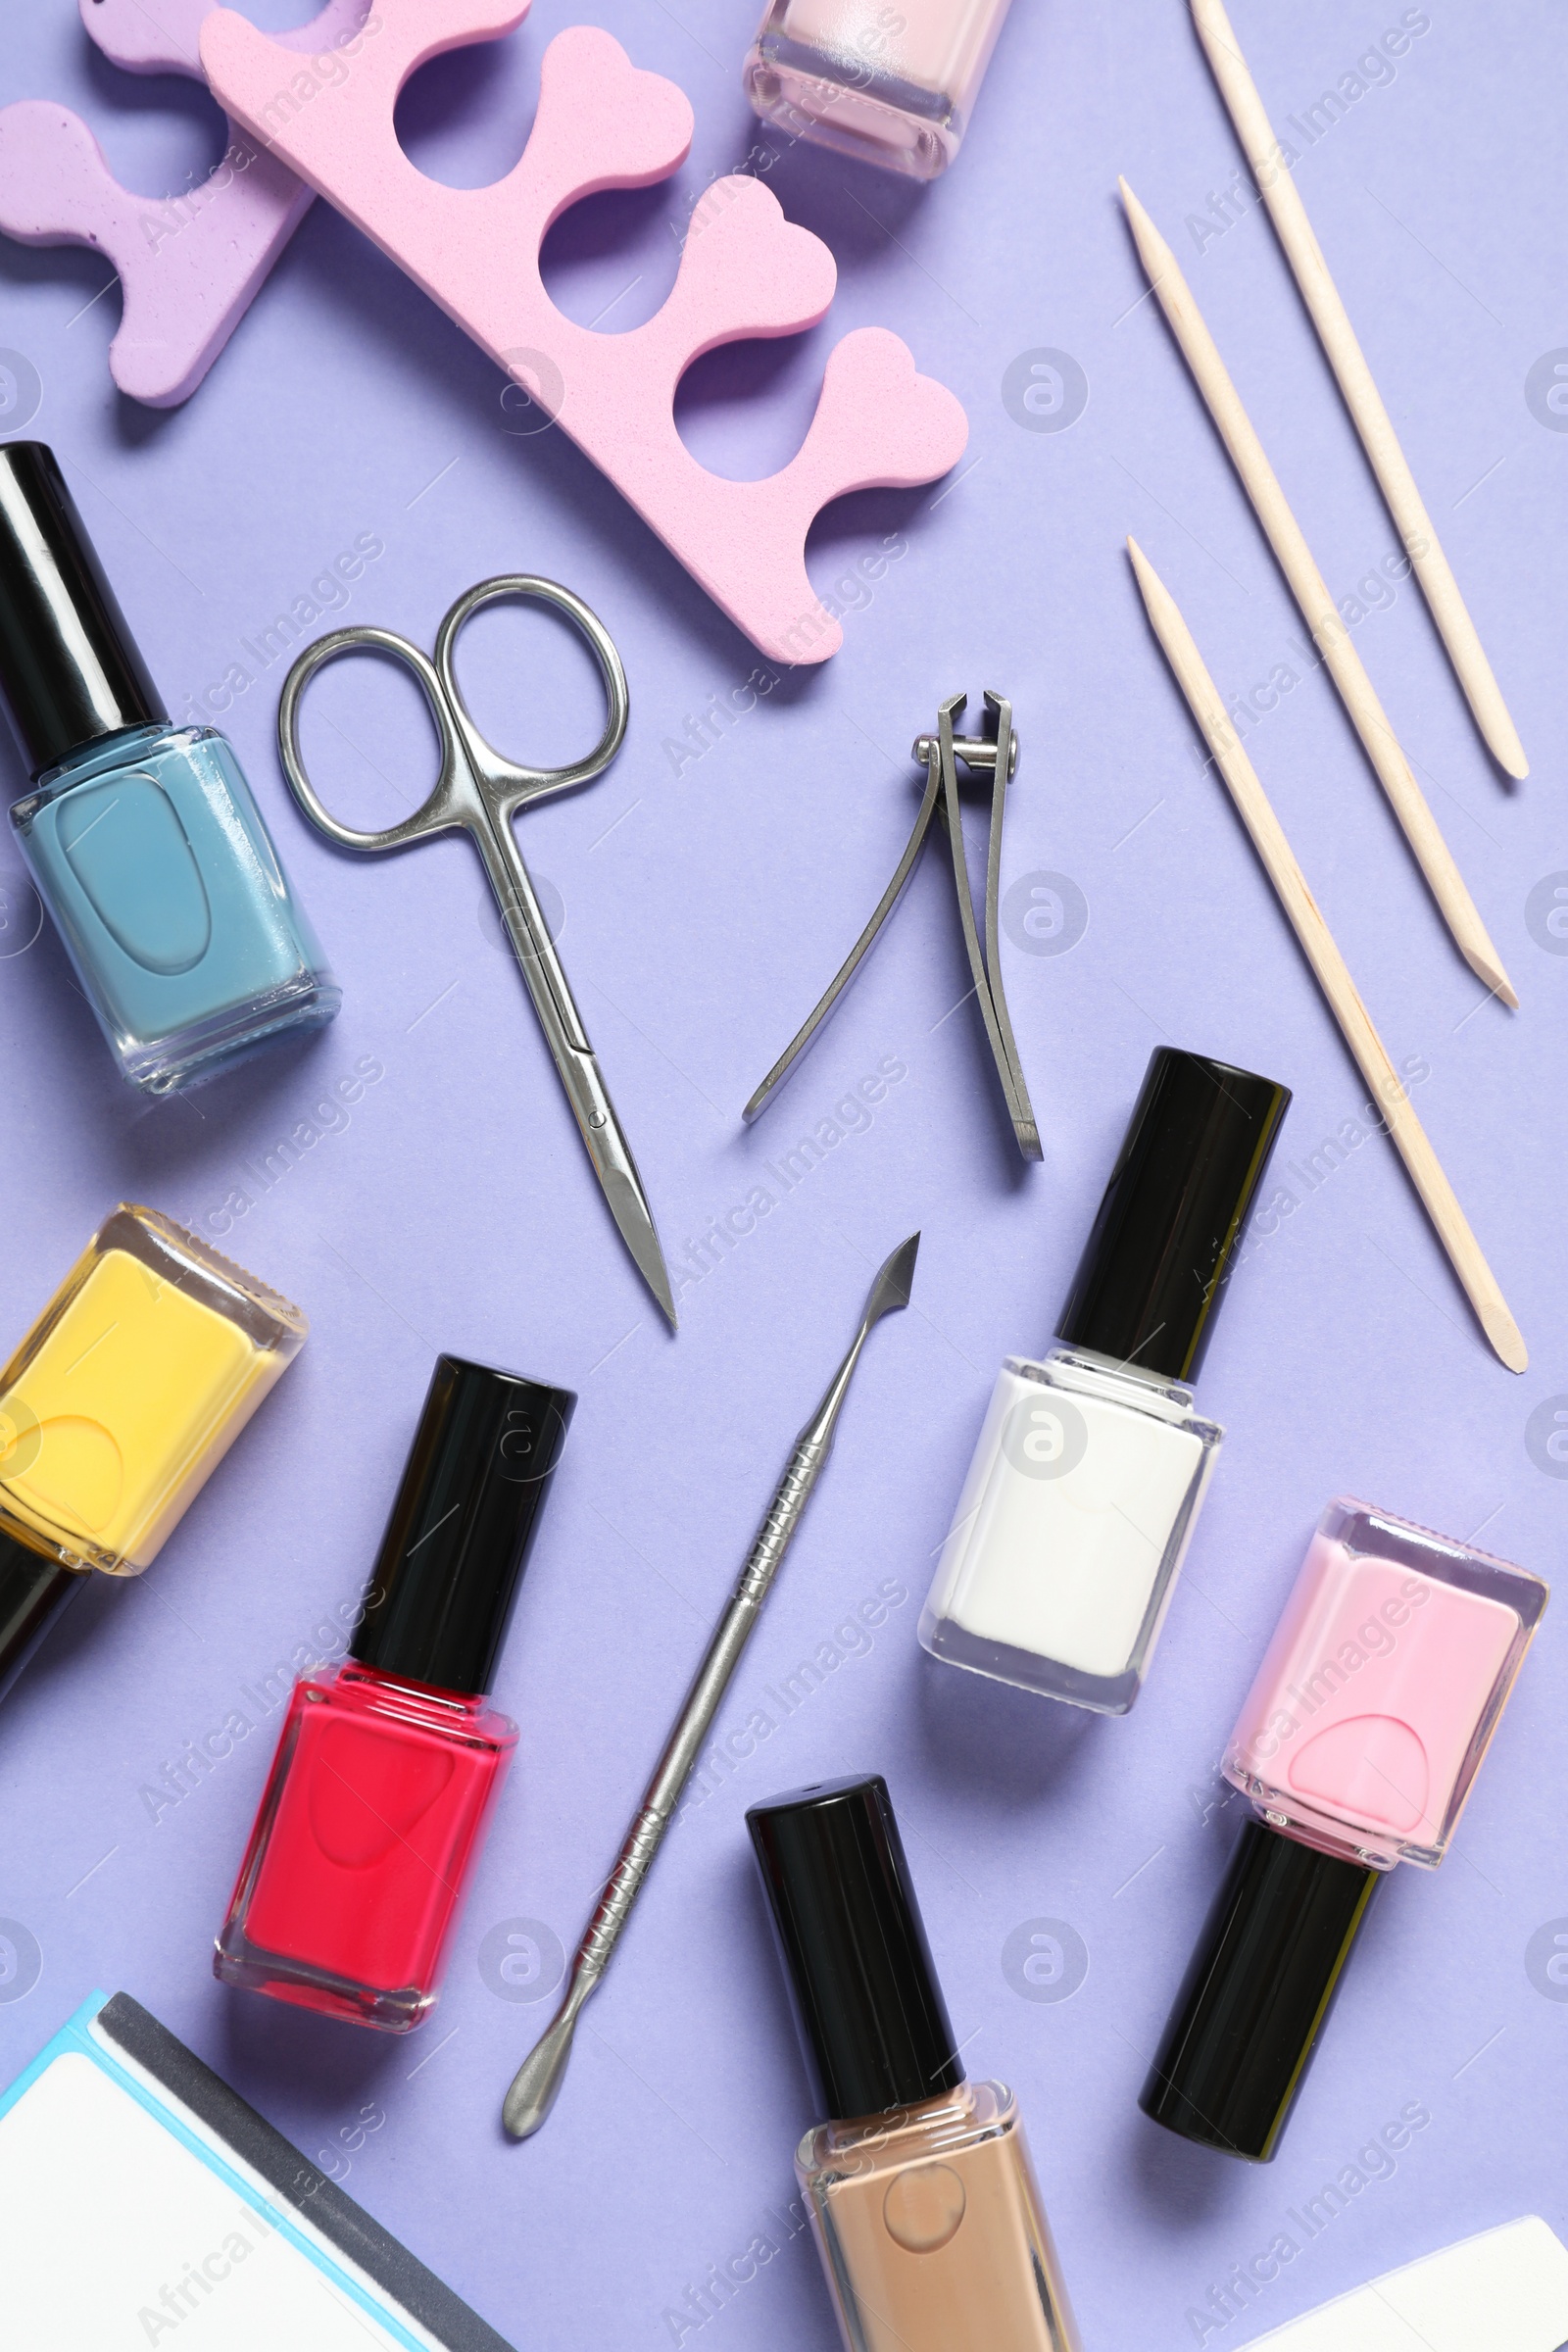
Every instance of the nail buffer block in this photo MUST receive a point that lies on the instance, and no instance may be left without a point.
(1506, 2289)
(137, 2191)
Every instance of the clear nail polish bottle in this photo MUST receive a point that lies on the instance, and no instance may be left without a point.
(118, 1405)
(891, 82)
(388, 1766)
(1359, 1744)
(1091, 1464)
(142, 837)
(921, 2195)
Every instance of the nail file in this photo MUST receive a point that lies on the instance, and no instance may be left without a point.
(138, 2194)
(1506, 2290)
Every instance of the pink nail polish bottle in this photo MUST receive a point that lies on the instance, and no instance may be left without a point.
(1359, 1743)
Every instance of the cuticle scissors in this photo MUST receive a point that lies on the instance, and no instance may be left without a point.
(479, 791)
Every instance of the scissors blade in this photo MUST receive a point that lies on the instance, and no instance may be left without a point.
(616, 1168)
(574, 1059)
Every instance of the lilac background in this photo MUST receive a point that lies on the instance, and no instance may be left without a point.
(702, 913)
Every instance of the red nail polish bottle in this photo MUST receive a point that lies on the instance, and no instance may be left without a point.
(389, 1765)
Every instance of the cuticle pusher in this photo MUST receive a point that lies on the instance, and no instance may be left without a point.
(539, 2077)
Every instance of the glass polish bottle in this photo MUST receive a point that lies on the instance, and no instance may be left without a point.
(118, 1405)
(388, 1766)
(920, 2192)
(142, 837)
(1091, 1464)
(1359, 1743)
(890, 82)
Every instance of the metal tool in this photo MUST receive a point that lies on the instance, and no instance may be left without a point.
(994, 754)
(539, 2077)
(479, 791)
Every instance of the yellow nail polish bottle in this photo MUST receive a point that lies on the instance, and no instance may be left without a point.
(122, 1398)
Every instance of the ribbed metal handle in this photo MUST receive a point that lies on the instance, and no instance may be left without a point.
(790, 1499)
(621, 1892)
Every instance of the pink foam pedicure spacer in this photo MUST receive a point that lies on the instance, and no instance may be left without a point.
(745, 271)
(189, 266)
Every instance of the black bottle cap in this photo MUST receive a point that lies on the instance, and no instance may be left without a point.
(869, 2009)
(70, 671)
(440, 1596)
(1153, 1268)
(1258, 1989)
(35, 1587)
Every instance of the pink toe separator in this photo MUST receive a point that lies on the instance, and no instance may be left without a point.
(189, 266)
(745, 271)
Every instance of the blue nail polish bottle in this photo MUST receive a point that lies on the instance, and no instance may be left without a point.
(142, 837)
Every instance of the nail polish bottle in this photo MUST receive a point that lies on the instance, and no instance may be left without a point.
(1091, 1464)
(117, 1408)
(891, 82)
(1357, 1744)
(922, 2196)
(388, 1766)
(142, 837)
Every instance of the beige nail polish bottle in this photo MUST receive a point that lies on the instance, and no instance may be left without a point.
(922, 2196)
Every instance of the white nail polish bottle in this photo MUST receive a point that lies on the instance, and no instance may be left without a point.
(1091, 1464)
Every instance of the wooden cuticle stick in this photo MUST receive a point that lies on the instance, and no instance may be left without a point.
(1329, 631)
(1279, 191)
(1329, 967)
